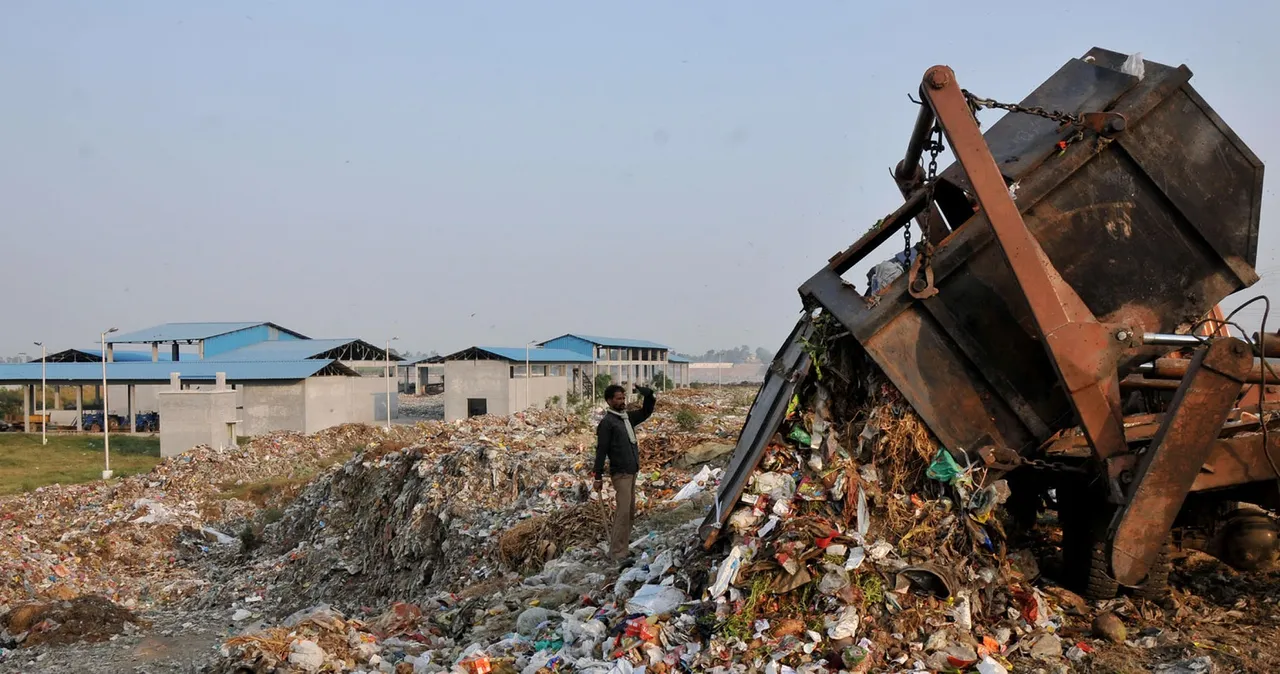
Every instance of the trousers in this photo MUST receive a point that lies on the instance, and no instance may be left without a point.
(620, 538)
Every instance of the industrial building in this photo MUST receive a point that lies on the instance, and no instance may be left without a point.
(626, 361)
(494, 380)
(281, 379)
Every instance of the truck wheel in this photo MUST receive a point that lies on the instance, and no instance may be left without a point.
(1156, 586)
(1100, 586)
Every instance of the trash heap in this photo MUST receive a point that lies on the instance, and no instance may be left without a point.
(470, 502)
(860, 542)
(122, 539)
(857, 546)
(401, 522)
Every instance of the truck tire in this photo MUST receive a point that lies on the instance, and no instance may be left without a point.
(1156, 586)
(1100, 586)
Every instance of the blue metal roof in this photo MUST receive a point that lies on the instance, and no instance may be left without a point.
(673, 358)
(517, 354)
(151, 373)
(118, 355)
(295, 349)
(617, 342)
(182, 332)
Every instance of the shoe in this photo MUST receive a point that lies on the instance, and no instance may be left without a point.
(626, 562)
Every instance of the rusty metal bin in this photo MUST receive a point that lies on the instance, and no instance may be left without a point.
(1153, 229)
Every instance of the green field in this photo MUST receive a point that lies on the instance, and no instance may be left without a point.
(25, 464)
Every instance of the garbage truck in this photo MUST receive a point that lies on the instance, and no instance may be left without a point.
(1056, 319)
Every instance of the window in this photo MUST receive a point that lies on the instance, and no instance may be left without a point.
(538, 370)
(517, 372)
(555, 371)
(477, 407)
(614, 354)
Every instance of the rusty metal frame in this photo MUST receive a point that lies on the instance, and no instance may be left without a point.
(1084, 352)
(1167, 470)
(767, 413)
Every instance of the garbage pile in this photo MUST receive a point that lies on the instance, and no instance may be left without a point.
(89, 618)
(122, 539)
(858, 545)
(472, 501)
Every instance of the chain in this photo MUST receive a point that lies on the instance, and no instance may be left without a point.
(977, 103)
(926, 223)
(1052, 467)
(906, 242)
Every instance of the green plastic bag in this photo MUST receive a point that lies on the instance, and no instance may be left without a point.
(799, 435)
(944, 468)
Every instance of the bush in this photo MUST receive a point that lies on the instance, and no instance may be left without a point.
(662, 382)
(603, 380)
(552, 402)
(687, 419)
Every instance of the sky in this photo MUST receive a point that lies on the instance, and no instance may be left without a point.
(459, 173)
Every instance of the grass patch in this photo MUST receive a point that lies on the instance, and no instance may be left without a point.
(26, 465)
(272, 491)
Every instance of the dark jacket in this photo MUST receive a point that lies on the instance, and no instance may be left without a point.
(613, 444)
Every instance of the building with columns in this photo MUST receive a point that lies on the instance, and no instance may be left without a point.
(626, 361)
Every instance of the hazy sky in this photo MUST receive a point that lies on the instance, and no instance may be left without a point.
(462, 173)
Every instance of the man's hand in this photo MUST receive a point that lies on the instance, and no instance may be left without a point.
(597, 485)
(644, 390)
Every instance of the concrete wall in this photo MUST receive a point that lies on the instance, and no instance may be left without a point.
(540, 390)
(313, 405)
(270, 407)
(728, 373)
(487, 379)
(194, 418)
(331, 401)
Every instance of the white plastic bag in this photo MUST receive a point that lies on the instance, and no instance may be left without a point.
(697, 484)
(1134, 65)
(656, 600)
(728, 571)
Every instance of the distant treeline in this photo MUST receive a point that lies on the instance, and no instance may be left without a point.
(741, 354)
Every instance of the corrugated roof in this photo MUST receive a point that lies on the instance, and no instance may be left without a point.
(95, 355)
(303, 349)
(673, 358)
(181, 332)
(516, 354)
(618, 342)
(149, 372)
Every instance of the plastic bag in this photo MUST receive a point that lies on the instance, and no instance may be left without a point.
(728, 571)
(944, 467)
(656, 600)
(843, 626)
(1134, 65)
(697, 484)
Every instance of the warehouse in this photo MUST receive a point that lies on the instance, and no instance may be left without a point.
(495, 380)
(282, 379)
(626, 361)
(304, 395)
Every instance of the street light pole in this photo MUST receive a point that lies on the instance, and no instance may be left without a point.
(106, 419)
(44, 417)
(388, 355)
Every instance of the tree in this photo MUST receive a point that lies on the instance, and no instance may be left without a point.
(603, 380)
(764, 355)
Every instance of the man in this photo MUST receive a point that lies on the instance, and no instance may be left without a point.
(616, 441)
